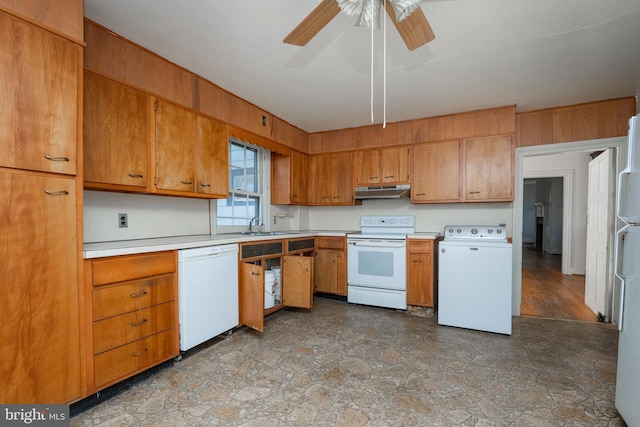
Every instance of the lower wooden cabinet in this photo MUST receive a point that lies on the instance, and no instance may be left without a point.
(421, 269)
(134, 315)
(331, 265)
(294, 257)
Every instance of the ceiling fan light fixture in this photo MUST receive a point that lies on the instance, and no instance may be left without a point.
(404, 8)
(368, 11)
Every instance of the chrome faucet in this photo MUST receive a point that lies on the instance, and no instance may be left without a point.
(252, 222)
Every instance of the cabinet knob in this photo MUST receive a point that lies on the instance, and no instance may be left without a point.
(140, 353)
(139, 294)
(56, 158)
(139, 322)
(56, 193)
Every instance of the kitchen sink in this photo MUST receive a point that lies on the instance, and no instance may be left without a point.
(267, 233)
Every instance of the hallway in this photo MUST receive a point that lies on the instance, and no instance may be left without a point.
(546, 292)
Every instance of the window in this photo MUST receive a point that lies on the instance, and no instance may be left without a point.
(246, 163)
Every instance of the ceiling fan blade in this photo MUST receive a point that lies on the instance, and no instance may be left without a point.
(414, 29)
(313, 23)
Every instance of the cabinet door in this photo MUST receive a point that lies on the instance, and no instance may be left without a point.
(368, 167)
(326, 271)
(297, 285)
(116, 133)
(489, 169)
(420, 280)
(175, 148)
(213, 157)
(342, 188)
(395, 165)
(436, 172)
(39, 106)
(320, 183)
(299, 178)
(252, 296)
(39, 334)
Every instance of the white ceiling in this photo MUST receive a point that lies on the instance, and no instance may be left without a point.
(487, 53)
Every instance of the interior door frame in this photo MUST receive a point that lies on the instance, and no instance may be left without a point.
(619, 143)
(567, 210)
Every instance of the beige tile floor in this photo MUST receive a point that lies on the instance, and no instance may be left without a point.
(346, 365)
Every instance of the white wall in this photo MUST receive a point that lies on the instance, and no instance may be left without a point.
(578, 162)
(429, 217)
(149, 216)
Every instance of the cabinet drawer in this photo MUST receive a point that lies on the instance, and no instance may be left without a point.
(420, 246)
(118, 299)
(123, 268)
(122, 361)
(119, 330)
(330, 242)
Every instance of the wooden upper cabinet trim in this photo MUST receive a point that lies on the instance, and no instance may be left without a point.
(64, 17)
(593, 120)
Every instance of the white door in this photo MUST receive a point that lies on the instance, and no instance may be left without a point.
(599, 224)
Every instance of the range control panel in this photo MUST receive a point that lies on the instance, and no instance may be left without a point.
(473, 232)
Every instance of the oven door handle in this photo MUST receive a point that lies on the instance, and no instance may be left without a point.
(376, 243)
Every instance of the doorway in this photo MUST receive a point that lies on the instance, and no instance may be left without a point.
(568, 239)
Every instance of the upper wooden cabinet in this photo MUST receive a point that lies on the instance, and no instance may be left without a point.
(116, 134)
(175, 148)
(473, 170)
(40, 95)
(40, 333)
(213, 157)
(382, 166)
(436, 172)
(331, 179)
(289, 179)
(488, 168)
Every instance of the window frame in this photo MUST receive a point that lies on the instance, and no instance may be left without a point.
(239, 222)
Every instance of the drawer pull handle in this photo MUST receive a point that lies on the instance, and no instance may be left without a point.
(186, 182)
(373, 177)
(56, 193)
(140, 353)
(420, 194)
(135, 175)
(140, 322)
(139, 294)
(253, 273)
(389, 176)
(205, 185)
(56, 158)
(474, 192)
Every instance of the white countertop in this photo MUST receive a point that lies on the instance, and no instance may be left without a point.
(128, 247)
(428, 235)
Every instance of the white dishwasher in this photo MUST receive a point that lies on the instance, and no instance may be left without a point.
(207, 293)
(475, 278)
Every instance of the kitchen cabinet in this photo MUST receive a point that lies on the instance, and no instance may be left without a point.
(294, 257)
(134, 315)
(331, 265)
(436, 172)
(40, 333)
(489, 169)
(421, 272)
(331, 179)
(40, 90)
(382, 166)
(116, 135)
(289, 178)
(175, 129)
(213, 157)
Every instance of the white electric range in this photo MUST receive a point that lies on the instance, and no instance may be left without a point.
(376, 261)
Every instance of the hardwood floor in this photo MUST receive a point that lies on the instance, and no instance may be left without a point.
(546, 292)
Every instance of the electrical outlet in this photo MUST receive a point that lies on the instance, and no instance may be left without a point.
(123, 220)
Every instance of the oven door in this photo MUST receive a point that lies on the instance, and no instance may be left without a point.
(377, 263)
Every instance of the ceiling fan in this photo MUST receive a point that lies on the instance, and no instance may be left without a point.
(413, 28)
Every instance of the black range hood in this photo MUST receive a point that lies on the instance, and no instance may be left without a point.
(398, 191)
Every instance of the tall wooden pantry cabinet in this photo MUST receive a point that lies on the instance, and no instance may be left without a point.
(40, 208)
